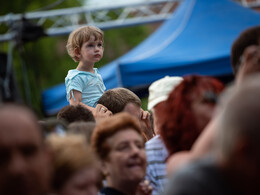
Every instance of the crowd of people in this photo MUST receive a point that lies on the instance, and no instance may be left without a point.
(198, 137)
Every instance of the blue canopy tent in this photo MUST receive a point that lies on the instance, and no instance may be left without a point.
(196, 40)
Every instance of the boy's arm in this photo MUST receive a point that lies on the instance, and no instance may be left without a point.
(99, 112)
(77, 95)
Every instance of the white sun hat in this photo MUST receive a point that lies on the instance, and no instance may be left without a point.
(160, 89)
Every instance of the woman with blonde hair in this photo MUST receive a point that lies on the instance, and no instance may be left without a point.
(75, 166)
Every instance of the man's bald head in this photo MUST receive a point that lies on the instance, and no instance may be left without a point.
(24, 167)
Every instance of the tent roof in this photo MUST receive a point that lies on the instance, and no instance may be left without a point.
(196, 40)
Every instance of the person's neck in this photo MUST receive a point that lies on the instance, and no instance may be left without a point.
(85, 67)
(127, 189)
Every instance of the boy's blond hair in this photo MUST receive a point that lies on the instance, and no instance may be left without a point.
(80, 36)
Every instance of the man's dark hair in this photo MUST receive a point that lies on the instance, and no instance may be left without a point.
(72, 113)
(250, 36)
(116, 99)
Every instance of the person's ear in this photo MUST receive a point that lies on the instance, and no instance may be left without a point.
(104, 168)
(77, 52)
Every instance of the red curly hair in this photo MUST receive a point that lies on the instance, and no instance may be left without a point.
(109, 127)
(177, 122)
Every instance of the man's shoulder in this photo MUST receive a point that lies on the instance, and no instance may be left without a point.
(155, 149)
(202, 167)
(156, 141)
(202, 177)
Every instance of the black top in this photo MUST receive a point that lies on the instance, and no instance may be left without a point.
(110, 191)
(202, 177)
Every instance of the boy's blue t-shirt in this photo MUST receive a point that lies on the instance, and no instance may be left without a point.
(90, 85)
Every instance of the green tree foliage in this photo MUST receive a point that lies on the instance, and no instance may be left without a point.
(36, 64)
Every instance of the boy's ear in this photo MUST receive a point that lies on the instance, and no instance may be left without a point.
(76, 52)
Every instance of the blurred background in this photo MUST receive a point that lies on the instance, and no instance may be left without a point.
(33, 35)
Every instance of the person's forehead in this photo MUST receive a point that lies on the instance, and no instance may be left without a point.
(133, 109)
(18, 130)
(86, 174)
(92, 38)
(125, 135)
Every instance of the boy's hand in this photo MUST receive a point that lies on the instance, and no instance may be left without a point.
(101, 112)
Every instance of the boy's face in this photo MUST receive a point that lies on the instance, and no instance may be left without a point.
(91, 51)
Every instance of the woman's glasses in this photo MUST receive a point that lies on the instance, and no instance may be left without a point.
(209, 97)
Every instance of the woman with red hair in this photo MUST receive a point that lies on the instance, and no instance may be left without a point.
(187, 111)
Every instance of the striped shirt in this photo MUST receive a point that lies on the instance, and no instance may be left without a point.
(156, 153)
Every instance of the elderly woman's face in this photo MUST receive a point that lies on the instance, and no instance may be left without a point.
(127, 159)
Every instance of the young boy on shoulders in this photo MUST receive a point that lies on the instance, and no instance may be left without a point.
(84, 85)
